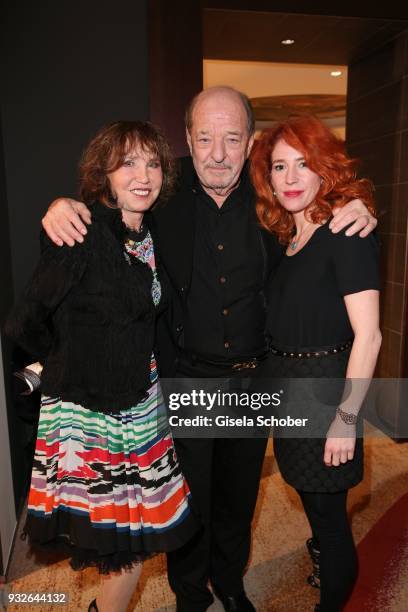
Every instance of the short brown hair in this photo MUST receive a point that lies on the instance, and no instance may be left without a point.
(107, 151)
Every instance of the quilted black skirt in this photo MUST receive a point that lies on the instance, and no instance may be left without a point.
(300, 459)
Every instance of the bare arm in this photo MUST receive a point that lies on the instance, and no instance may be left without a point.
(64, 221)
(36, 367)
(364, 221)
(363, 312)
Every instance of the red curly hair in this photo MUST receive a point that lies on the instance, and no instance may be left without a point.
(324, 154)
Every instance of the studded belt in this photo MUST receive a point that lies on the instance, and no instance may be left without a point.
(307, 354)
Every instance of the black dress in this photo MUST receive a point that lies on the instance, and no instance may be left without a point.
(306, 314)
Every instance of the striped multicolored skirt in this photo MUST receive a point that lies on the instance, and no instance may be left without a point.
(108, 485)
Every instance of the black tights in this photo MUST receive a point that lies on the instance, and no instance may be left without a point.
(327, 515)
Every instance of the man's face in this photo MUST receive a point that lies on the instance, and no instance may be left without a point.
(219, 141)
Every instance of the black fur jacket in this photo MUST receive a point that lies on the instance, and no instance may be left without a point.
(88, 316)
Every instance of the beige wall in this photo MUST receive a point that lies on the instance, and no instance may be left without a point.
(269, 79)
(258, 79)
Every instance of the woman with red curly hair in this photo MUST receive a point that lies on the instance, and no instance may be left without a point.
(323, 321)
(106, 483)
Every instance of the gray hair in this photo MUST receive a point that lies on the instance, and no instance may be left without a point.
(246, 103)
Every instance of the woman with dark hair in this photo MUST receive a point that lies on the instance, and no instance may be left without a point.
(106, 481)
(323, 321)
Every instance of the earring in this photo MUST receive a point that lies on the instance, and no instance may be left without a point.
(274, 193)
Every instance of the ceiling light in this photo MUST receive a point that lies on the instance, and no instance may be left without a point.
(336, 73)
(287, 41)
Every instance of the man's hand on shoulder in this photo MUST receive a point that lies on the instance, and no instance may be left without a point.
(64, 221)
(354, 211)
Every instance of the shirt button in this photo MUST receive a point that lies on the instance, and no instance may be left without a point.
(225, 311)
(226, 345)
(223, 279)
(220, 247)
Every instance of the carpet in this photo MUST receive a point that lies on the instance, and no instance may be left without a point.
(279, 564)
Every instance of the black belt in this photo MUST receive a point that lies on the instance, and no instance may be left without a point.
(245, 363)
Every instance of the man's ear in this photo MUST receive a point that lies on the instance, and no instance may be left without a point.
(250, 144)
(188, 138)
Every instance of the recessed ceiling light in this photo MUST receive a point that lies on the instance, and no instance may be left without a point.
(336, 73)
(287, 41)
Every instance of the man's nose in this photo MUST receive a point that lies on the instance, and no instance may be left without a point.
(218, 152)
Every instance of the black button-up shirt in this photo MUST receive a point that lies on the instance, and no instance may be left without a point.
(225, 306)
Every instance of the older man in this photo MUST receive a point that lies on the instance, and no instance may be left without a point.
(217, 258)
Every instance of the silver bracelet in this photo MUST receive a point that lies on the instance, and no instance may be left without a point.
(347, 417)
(31, 379)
